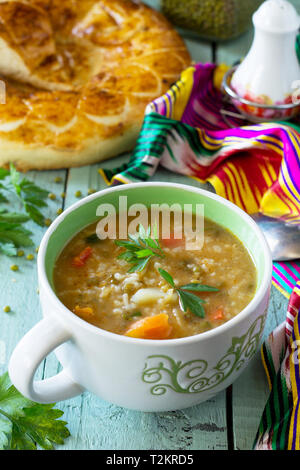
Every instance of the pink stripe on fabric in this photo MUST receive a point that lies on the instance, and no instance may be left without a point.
(283, 277)
(276, 281)
(295, 266)
(287, 269)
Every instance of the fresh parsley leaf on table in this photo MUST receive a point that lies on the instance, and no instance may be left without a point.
(3, 174)
(25, 425)
(32, 196)
(12, 232)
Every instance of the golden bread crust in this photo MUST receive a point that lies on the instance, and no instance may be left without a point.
(79, 77)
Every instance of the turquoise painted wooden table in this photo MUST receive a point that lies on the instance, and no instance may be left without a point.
(228, 421)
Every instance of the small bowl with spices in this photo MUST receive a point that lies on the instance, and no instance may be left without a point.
(255, 109)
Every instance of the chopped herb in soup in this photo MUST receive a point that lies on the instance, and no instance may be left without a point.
(152, 288)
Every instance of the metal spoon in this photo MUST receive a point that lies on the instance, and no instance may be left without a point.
(283, 239)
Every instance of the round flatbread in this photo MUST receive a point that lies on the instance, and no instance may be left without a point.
(78, 76)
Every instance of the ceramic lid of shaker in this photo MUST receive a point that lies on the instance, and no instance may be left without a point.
(277, 16)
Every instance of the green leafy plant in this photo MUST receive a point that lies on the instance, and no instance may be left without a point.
(140, 248)
(31, 196)
(12, 232)
(26, 425)
(3, 175)
(188, 300)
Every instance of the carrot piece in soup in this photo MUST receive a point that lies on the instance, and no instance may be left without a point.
(82, 257)
(84, 312)
(154, 327)
(218, 314)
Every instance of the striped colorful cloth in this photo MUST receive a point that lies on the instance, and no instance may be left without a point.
(279, 427)
(285, 276)
(257, 167)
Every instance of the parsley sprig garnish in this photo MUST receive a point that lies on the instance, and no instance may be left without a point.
(12, 232)
(25, 425)
(187, 300)
(140, 248)
(31, 196)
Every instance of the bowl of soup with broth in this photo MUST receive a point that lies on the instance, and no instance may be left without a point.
(154, 297)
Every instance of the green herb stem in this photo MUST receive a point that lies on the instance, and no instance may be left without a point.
(139, 249)
(188, 300)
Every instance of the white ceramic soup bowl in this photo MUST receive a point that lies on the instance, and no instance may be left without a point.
(147, 375)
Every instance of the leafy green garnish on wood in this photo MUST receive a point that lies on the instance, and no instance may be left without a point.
(12, 232)
(32, 196)
(140, 249)
(3, 175)
(187, 300)
(25, 425)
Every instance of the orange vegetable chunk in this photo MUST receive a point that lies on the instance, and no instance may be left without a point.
(153, 327)
(84, 312)
(217, 314)
(82, 257)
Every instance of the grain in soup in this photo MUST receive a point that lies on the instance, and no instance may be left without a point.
(176, 293)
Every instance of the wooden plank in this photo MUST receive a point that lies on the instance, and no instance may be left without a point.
(98, 425)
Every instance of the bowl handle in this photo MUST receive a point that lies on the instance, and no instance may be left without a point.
(33, 348)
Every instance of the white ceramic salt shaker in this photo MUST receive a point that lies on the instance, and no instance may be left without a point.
(267, 73)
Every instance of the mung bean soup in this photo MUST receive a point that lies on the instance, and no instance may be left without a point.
(151, 287)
